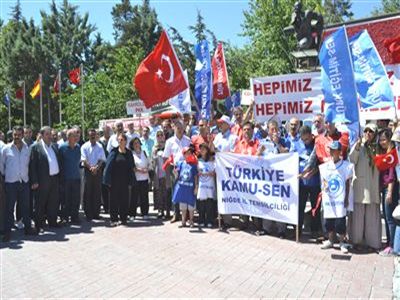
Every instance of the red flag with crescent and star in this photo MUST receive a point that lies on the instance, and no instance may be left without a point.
(160, 75)
(75, 76)
(387, 160)
(220, 74)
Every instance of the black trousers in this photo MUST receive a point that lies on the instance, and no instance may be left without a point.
(309, 193)
(119, 201)
(206, 211)
(92, 194)
(47, 202)
(140, 197)
(105, 197)
(70, 207)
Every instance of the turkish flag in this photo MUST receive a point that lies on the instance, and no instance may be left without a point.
(19, 93)
(393, 47)
(220, 74)
(160, 75)
(75, 76)
(387, 160)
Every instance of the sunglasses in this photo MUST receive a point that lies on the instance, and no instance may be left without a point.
(368, 131)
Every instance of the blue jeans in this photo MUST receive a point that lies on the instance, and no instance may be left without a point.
(17, 192)
(388, 209)
(396, 241)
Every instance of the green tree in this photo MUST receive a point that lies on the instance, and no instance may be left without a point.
(337, 11)
(137, 25)
(201, 32)
(387, 6)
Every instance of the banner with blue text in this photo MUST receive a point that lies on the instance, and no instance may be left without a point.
(337, 78)
(372, 82)
(267, 188)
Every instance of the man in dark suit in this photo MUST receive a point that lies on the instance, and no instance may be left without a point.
(44, 170)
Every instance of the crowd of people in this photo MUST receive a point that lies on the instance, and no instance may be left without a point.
(48, 180)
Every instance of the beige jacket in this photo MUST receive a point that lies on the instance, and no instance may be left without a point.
(366, 182)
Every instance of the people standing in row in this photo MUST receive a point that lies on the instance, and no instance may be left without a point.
(118, 176)
(93, 159)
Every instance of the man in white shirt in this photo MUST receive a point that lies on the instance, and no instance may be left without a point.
(44, 170)
(113, 142)
(154, 127)
(14, 165)
(93, 159)
(131, 134)
(174, 147)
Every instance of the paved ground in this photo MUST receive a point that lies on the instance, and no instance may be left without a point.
(156, 259)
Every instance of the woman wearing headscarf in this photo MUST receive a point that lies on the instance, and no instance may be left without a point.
(365, 225)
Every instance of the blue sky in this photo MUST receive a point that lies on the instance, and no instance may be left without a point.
(223, 17)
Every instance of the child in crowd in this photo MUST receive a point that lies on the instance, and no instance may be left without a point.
(186, 186)
(336, 176)
(206, 194)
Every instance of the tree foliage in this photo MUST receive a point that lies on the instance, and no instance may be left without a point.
(337, 11)
(387, 6)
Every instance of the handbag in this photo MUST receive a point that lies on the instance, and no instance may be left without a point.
(396, 213)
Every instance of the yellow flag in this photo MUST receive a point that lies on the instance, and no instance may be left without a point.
(36, 89)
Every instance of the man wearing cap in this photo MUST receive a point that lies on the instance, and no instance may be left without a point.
(336, 176)
(225, 141)
(365, 225)
(173, 147)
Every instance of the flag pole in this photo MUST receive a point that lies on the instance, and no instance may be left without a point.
(41, 100)
(9, 111)
(59, 94)
(24, 99)
(83, 102)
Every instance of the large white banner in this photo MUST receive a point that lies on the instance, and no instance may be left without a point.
(286, 96)
(257, 186)
(300, 95)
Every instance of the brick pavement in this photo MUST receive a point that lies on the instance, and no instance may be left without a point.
(156, 259)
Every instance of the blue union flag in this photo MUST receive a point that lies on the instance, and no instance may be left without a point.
(337, 77)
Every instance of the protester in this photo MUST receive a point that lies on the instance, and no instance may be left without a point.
(28, 136)
(382, 124)
(336, 176)
(366, 217)
(14, 166)
(93, 159)
(186, 186)
(113, 142)
(207, 191)
(248, 145)
(44, 173)
(292, 139)
(147, 146)
(173, 149)
(225, 141)
(309, 182)
(131, 134)
(78, 132)
(237, 128)
(389, 190)
(118, 176)
(162, 179)
(140, 189)
(167, 129)
(154, 127)
(318, 127)
(62, 137)
(70, 153)
(204, 136)
(105, 191)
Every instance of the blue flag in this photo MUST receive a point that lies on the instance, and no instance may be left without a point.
(337, 78)
(372, 82)
(232, 101)
(228, 104)
(6, 99)
(203, 79)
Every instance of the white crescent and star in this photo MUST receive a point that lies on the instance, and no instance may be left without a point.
(391, 159)
(171, 69)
